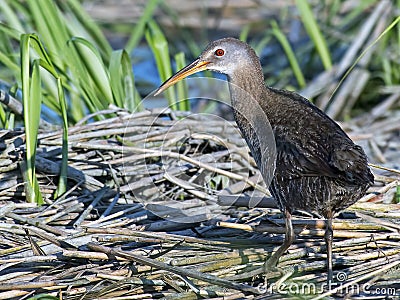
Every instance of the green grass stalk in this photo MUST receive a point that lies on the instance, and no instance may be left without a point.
(159, 46)
(181, 86)
(289, 54)
(311, 26)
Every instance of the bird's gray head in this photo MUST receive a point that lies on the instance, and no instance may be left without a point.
(229, 56)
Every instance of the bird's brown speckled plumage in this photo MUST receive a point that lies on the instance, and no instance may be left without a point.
(318, 167)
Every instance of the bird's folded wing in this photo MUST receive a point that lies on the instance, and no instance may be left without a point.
(351, 160)
(294, 161)
(346, 161)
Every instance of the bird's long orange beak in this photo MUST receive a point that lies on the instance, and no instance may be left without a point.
(190, 69)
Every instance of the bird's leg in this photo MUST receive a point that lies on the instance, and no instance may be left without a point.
(289, 237)
(328, 243)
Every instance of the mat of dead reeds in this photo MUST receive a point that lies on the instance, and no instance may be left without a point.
(158, 207)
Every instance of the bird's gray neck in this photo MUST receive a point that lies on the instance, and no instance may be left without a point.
(246, 84)
(249, 99)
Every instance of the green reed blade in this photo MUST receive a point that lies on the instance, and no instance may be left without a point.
(289, 54)
(32, 107)
(139, 29)
(387, 29)
(311, 26)
(92, 73)
(32, 103)
(181, 86)
(88, 25)
(159, 47)
(122, 81)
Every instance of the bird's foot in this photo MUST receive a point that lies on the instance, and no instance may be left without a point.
(285, 275)
(270, 269)
(270, 265)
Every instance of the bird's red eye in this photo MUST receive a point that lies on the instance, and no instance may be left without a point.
(219, 52)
